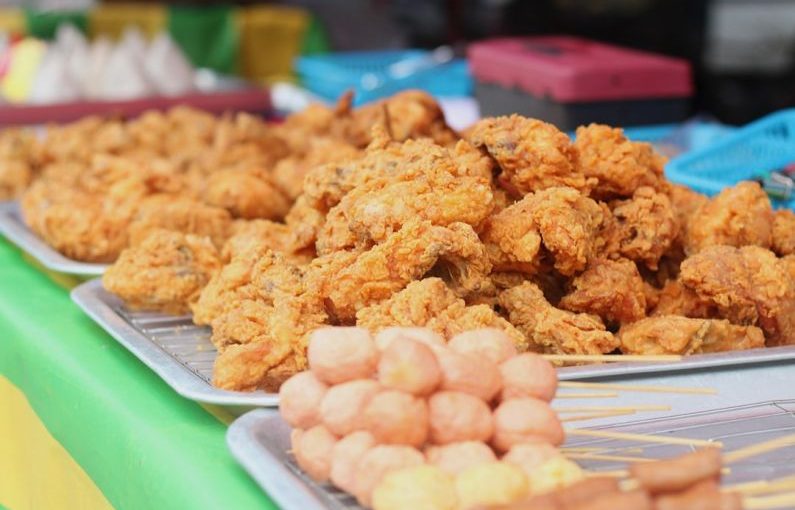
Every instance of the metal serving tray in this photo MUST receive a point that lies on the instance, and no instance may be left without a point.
(260, 441)
(15, 230)
(177, 350)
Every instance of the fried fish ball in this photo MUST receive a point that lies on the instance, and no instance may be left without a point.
(337, 355)
(494, 483)
(342, 407)
(312, 451)
(530, 456)
(395, 417)
(425, 336)
(528, 375)
(457, 457)
(299, 400)
(455, 416)
(345, 457)
(555, 473)
(377, 463)
(468, 374)
(487, 343)
(421, 488)
(525, 420)
(409, 366)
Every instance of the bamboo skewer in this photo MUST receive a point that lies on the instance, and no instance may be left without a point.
(770, 502)
(642, 437)
(633, 387)
(594, 416)
(650, 358)
(764, 486)
(759, 448)
(619, 473)
(618, 409)
(597, 456)
(607, 394)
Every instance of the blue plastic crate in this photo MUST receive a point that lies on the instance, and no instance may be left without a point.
(751, 151)
(329, 76)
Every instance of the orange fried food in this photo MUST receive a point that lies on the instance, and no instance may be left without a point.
(672, 334)
(551, 329)
(246, 194)
(532, 154)
(643, 228)
(288, 173)
(685, 202)
(747, 285)
(165, 272)
(19, 161)
(182, 214)
(619, 166)
(676, 299)
(275, 236)
(558, 224)
(611, 289)
(789, 264)
(432, 304)
(737, 216)
(784, 232)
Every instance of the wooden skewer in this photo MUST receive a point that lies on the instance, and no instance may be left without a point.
(607, 394)
(579, 409)
(769, 502)
(593, 416)
(633, 387)
(581, 449)
(641, 438)
(650, 358)
(620, 473)
(759, 448)
(597, 456)
(764, 486)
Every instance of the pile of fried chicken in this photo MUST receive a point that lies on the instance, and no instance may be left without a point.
(384, 216)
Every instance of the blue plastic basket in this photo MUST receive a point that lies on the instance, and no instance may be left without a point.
(329, 76)
(750, 152)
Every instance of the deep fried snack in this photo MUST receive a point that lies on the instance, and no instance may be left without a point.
(432, 304)
(289, 173)
(737, 216)
(20, 159)
(532, 154)
(611, 289)
(551, 329)
(685, 202)
(677, 299)
(246, 194)
(679, 473)
(275, 236)
(747, 285)
(783, 242)
(181, 214)
(618, 165)
(559, 222)
(164, 273)
(673, 334)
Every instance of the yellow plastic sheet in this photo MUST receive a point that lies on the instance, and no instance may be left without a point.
(36, 472)
(111, 19)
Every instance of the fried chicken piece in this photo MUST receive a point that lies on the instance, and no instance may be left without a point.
(789, 264)
(401, 181)
(643, 228)
(737, 216)
(418, 248)
(430, 303)
(532, 154)
(246, 194)
(164, 273)
(685, 202)
(671, 334)
(747, 285)
(561, 221)
(181, 214)
(551, 329)
(304, 222)
(676, 299)
(19, 161)
(611, 289)
(289, 173)
(619, 166)
(275, 236)
(783, 232)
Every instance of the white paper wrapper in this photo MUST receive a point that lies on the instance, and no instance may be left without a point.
(167, 67)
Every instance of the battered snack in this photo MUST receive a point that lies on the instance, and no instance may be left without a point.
(672, 334)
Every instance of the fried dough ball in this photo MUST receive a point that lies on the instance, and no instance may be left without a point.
(487, 343)
(423, 335)
(395, 417)
(456, 416)
(409, 366)
(530, 456)
(419, 488)
(337, 355)
(345, 457)
(377, 463)
(555, 473)
(528, 375)
(468, 374)
(299, 400)
(525, 420)
(312, 450)
(342, 408)
(494, 483)
(454, 458)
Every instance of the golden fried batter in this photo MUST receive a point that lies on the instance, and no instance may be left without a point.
(784, 232)
(182, 214)
(248, 194)
(671, 334)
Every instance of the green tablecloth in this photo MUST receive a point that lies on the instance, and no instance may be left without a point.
(143, 445)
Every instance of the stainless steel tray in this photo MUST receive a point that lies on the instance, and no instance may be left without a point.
(177, 350)
(260, 441)
(15, 230)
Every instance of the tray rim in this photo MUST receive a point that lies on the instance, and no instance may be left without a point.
(17, 232)
(92, 299)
